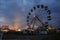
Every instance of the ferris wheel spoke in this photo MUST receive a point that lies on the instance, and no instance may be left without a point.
(38, 16)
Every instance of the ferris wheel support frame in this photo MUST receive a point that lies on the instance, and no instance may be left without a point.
(34, 8)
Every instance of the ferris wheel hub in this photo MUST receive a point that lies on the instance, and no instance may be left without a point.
(34, 19)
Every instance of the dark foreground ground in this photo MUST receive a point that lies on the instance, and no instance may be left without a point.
(20, 36)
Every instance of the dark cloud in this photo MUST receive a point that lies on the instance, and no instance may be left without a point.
(9, 9)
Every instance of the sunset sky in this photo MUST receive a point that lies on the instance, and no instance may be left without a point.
(11, 10)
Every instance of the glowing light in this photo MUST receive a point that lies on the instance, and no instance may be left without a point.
(5, 30)
(34, 16)
(16, 23)
(32, 30)
(19, 30)
(11, 27)
(16, 28)
(49, 28)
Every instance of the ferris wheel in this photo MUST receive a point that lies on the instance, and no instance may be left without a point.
(38, 16)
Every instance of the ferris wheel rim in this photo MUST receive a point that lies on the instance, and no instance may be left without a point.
(43, 7)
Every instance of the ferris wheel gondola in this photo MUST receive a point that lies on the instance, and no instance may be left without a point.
(38, 15)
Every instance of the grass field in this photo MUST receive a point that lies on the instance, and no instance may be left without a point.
(20, 36)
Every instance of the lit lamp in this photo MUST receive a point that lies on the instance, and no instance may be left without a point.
(5, 30)
(19, 30)
(51, 28)
(32, 30)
